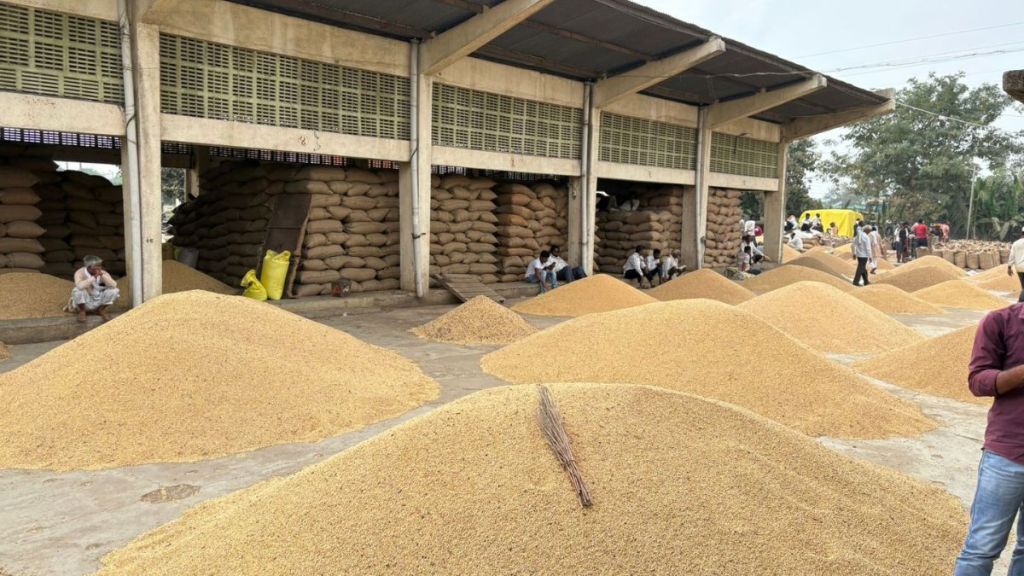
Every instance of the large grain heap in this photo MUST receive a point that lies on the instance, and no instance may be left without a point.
(251, 375)
(177, 277)
(725, 227)
(789, 254)
(655, 223)
(463, 226)
(842, 269)
(680, 485)
(829, 320)
(598, 293)
(32, 295)
(936, 366)
(479, 321)
(703, 283)
(914, 279)
(713, 350)
(930, 260)
(996, 279)
(790, 274)
(960, 294)
(892, 300)
(531, 218)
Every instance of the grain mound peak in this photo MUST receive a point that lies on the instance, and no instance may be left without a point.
(842, 269)
(960, 294)
(478, 321)
(996, 279)
(791, 274)
(936, 366)
(933, 261)
(829, 320)
(789, 253)
(680, 474)
(598, 293)
(32, 295)
(178, 277)
(703, 283)
(714, 350)
(251, 375)
(891, 300)
(917, 278)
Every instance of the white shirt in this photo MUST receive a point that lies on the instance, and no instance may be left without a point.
(796, 243)
(667, 264)
(652, 263)
(531, 270)
(559, 264)
(744, 261)
(754, 250)
(1017, 255)
(634, 262)
(862, 245)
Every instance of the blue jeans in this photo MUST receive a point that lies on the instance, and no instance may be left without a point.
(997, 501)
(549, 277)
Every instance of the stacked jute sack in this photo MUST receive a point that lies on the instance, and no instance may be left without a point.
(463, 226)
(725, 228)
(353, 229)
(83, 215)
(655, 223)
(974, 254)
(531, 218)
(226, 224)
(20, 249)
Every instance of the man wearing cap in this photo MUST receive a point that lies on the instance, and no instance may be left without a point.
(94, 289)
(1016, 261)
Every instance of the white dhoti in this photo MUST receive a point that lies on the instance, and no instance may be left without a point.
(93, 299)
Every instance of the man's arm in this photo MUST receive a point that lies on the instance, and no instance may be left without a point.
(82, 282)
(108, 280)
(986, 376)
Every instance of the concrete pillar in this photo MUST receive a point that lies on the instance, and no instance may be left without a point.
(775, 209)
(415, 181)
(577, 221)
(583, 192)
(695, 204)
(144, 247)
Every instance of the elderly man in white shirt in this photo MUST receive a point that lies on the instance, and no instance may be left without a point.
(670, 267)
(795, 242)
(94, 290)
(862, 251)
(1016, 262)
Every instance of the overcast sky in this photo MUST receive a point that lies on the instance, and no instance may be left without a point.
(826, 36)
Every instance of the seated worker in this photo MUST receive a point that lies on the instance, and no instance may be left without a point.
(94, 290)
(540, 271)
(633, 269)
(563, 271)
(745, 263)
(795, 242)
(652, 267)
(670, 267)
(756, 255)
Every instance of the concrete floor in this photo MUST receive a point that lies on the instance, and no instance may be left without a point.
(61, 524)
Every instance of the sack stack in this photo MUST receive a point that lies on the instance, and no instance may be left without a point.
(725, 228)
(654, 223)
(463, 226)
(95, 222)
(20, 249)
(531, 218)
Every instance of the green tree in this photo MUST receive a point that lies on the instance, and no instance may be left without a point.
(921, 163)
(803, 161)
(172, 187)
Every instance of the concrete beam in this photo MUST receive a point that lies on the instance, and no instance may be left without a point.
(441, 51)
(617, 87)
(725, 112)
(811, 125)
(157, 11)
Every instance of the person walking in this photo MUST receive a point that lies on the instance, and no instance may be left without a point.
(876, 248)
(1016, 262)
(996, 370)
(862, 251)
(920, 231)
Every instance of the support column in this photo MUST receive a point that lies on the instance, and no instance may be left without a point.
(414, 187)
(583, 191)
(775, 209)
(695, 204)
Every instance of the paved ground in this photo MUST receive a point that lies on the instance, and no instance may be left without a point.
(61, 524)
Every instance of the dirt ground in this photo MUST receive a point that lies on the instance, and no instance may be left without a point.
(61, 524)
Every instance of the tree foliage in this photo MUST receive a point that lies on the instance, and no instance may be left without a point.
(804, 158)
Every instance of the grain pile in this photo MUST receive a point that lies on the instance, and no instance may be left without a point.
(673, 494)
(178, 277)
(32, 295)
(842, 269)
(926, 261)
(479, 321)
(936, 366)
(789, 254)
(892, 300)
(725, 227)
(829, 320)
(960, 294)
(789, 274)
(656, 223)
(598, 293)
(251, 375)
(703, 283)
(5, 353)
(996, 279)
(531, 217)
(713, 350)
(917, 278)
(462, 227)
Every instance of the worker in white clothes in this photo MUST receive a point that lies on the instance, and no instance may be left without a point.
(541, 271)
(795, 242)
(652, 267)
(94, 290)
(563, 271)
(876, 248)
(670, 267)
(756, 254)
(1016, 263)
(634, 268)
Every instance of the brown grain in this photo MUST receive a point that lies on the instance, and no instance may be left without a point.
(829, 320)
(996, 279)
(714, 350)
(927, 261)
(960, 294)
(599, 293)
(891, 300)
(842, 269)
(32, 295)
(196, 375)
(681, 485)
(478, 321)
(5, 352)
(789, 254)
(917, 278)
(704, 283)
(790, 274)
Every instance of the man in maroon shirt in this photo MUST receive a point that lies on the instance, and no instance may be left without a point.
(997, 370)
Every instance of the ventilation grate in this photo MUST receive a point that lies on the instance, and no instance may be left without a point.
(642, 142)
(54, 54)
(206, 80)
(744, 156)
(464, 118)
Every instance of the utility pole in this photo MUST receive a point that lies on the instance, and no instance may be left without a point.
(970, 204)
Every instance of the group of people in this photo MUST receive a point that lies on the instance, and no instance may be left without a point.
(548, 269)
(907, 239)
(654, 266)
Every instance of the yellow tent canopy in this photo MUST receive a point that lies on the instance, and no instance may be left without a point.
(844, 219)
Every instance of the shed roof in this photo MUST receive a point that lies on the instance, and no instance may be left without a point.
(591, 39)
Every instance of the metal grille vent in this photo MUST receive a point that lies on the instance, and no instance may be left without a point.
(744, 156)
(54, 54)
(464, 118)
(207, 80)
(628, 140)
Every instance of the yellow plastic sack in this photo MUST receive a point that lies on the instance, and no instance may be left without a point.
(253, 288)
(275, 270)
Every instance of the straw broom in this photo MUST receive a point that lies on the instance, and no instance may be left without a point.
(551, 423)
